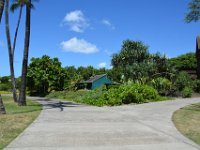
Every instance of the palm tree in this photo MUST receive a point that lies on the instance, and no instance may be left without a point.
(11, 57)
(194, 15)
(15, 5)
(1, 8)
(2, 108)
(22, 94)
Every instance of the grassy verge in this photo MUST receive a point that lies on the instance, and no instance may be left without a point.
(16, 119)
(187, 121)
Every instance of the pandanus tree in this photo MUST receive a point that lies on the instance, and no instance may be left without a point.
(22, 94)
(2, 108)
(1, 8)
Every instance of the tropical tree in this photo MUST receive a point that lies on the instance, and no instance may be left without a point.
(45, 75)
(22, 94)
(1, 8)
(2, 108)
(194, 11)
(15, 5)
(10, 53)
(132, 60)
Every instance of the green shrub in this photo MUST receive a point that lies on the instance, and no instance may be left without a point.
(196, 86)
(125, 94)
(112, 97)
(137, 93)
(5, 87)
(187, 92)
(183, 80)
(162, 85)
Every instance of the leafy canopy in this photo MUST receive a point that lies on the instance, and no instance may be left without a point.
(194, 11)
(45, 75)
(184, 62)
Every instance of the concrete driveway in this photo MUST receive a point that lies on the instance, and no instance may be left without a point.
(68, 126)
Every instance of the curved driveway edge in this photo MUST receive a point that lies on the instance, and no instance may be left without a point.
(130, 127)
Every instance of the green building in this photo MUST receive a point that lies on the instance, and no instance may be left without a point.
(95, 82)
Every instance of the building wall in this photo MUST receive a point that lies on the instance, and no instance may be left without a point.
(102, 81)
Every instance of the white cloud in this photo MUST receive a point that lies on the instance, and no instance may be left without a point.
(108, 23)
(78, 46)
(102, 65)
(76, 21)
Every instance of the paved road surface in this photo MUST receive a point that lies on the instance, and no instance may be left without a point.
(68, 126)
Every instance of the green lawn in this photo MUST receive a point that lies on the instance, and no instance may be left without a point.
(16, 119)
(187, 121)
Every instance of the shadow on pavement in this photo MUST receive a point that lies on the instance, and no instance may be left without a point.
(51, 104)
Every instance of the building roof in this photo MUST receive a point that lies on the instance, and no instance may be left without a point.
(92, 79)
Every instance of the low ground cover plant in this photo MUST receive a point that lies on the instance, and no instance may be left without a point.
(124, 94)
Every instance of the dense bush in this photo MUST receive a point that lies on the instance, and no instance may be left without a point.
(125, 94)
(196, 85)
(136, 93)
(183, 80)
(162, 85)
(5, 87)
(187, 92)
(184, 62)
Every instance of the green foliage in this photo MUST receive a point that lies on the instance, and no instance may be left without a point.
(75, 75)
(134, 61)
(68, 95)
(5, 86)
(162, 85)
(196, 85)
(184, 62)
(183, 80)
(115, 74)
(161, 63)
(5, 79)
(132, 56)
(124, 94)
(45, 75)
(194, 11)
(187, 92)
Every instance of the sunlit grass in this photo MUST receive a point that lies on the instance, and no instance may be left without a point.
(16, 119)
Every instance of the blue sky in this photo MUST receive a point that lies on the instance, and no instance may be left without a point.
(88, 32)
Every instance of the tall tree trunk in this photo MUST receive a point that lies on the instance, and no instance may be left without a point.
(2, 108)
(198, 56)
(1, 8)
(11, 58)
(22, 95)
(16, 31)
